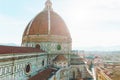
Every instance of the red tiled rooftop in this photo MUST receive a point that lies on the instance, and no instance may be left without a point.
(15, 49)
(44, 75)
(60, 58)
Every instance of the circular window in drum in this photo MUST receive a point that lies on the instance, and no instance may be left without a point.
(58, 47)
(28, 68)
(37, 46)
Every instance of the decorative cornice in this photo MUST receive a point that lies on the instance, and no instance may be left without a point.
(46, 38)
(12, 58)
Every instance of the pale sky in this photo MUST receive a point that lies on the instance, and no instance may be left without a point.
(91, 22)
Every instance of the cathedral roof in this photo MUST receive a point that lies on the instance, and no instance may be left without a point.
(47, 22)
(15, 49)
(60, 58)
(44, 75)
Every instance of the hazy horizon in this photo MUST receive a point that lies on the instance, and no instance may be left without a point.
(90, 48)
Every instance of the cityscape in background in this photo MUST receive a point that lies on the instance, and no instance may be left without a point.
(46, 53)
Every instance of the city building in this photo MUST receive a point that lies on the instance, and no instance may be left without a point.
(45, 52)
(108, 71)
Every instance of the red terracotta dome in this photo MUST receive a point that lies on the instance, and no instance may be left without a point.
(39, 25)
(60, 58)
(47, 26)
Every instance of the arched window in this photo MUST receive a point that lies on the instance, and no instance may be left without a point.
(37, 46)
(43, 63)
(28, 68)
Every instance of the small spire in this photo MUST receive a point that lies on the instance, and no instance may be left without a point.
(48, 5)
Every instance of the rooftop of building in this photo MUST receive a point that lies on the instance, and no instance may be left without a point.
(60, 58)
(18, 49)
(112, 71)
(44, 75)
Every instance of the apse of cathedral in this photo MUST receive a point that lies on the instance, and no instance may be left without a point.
(45, 53)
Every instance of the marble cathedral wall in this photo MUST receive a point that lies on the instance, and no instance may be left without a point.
(21, 66)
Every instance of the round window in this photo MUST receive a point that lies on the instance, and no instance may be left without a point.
(37, 46)
(28, 68)
(58, 47)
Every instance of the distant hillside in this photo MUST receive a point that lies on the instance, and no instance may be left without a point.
(9, 44)
(99, 48)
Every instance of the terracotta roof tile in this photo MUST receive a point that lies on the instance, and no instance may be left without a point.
(15, 49)
(60, 58)
(44, 75)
